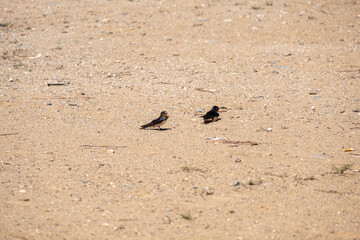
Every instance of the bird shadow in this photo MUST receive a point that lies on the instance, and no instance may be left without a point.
(156, 129)
(212, 121)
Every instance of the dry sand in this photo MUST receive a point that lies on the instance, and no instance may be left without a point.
(75, 165)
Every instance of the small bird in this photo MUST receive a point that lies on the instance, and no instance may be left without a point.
(157, 122)
(212, 115)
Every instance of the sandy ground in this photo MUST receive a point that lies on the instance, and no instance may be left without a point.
(75, 165)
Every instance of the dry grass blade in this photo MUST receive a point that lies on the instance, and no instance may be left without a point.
(8, 134)
(240, 142)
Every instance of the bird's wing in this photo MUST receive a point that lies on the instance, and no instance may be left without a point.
(157, 121)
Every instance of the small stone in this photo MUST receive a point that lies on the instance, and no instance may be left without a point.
(209, 191)
(72, 104)
(238, 160)
(22, 190)
(85, 181)
(111, 151)
(356, 110)
(236, 183)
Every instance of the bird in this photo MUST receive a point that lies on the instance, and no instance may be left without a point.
(212, 115)
(158, 121)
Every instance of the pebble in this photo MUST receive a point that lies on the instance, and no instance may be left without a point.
(356, 110)
(258, 97)
(214, 138)
(85, 181)
(111, 151)
(236, 183)
(22, 190)
(238, 160)
(313, 92)
(209, 191)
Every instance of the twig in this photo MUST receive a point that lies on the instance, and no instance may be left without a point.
(276, 175)
(168, 218)
(329, 191)
(333, 191)
(165, 83)
(58, 84)
(198, 169)
(203, 90)
(223, 109)
(201, 194)
(44, 98)
(239, 142)
(8, 134)
(102, 146)
(202, 176)
(356, 70)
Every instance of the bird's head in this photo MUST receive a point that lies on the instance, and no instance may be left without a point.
(215, 108)
(164, 113)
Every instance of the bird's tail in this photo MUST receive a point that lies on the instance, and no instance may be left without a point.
(146, 125)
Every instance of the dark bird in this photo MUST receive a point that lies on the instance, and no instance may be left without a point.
(212, 115)
(157, 122)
